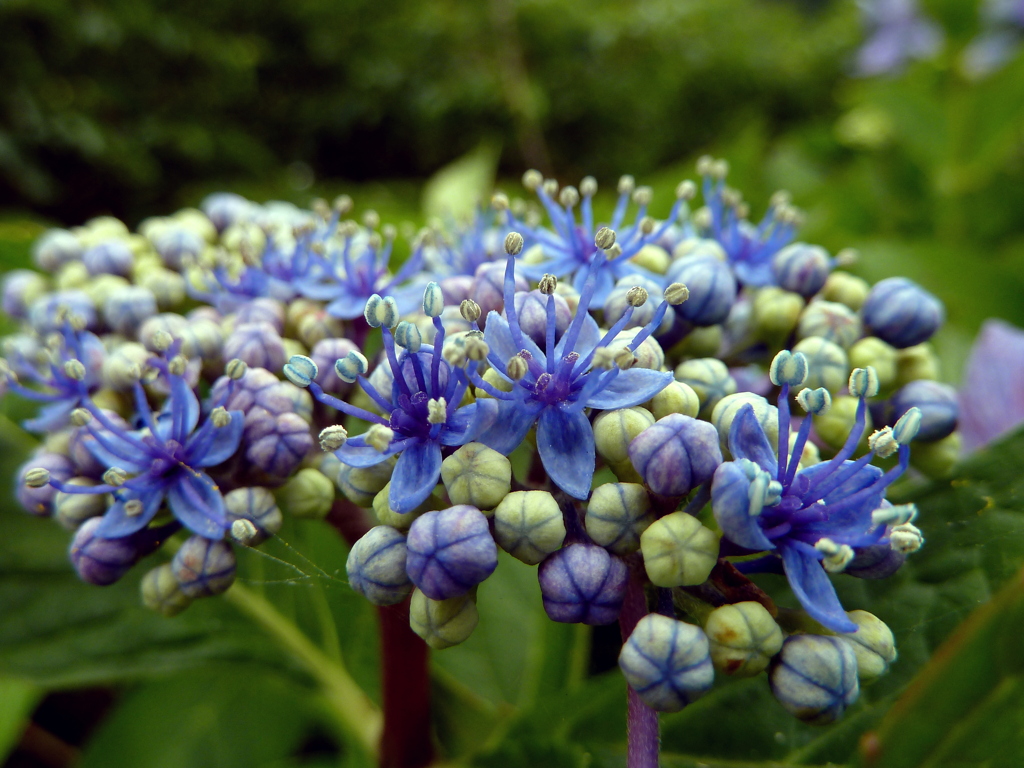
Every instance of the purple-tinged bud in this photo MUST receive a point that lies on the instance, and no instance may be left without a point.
(583, 583)
(113, 257)
(150, 332)
(938, 405)
(73, 509)
(712, 289)
(324, 354)
(901, 312)
(801, 268)
(227, 208)
(376, 566)
(104, 561)
(276, 444)
(531, 311)
(78, 447)
(456, 289)
(202, 338)
(618, 302)
(177, 246)
(676, 454)
(667, 662)
(161, 593)
(815, 677)
(450, 551)
(257, 506)
(262, 310)
(256, 344)
(710, 380)
(127, 308)
(21, 288)
(878, 561)
(488, 287)
(39, 501)
(54, 249)
(48, 313)
(204, 567)
(831, 321)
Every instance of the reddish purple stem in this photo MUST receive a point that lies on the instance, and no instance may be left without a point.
(641, 720)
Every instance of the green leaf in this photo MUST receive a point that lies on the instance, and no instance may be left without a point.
(456, 189)
(213, 716)
(17, 700)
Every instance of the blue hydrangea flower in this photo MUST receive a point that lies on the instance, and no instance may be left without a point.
(423, 411)
(991, 399)
(813, 519)
(899, 33)
(346, 276)
(570, 244)
(749, 247)
(65, 383)
(166, 458)
(1000, 37)
(561, 381)
(478, 242)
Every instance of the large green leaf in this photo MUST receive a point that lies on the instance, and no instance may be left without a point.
(17, 700)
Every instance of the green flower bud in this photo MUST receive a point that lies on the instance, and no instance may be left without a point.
(123, 367)
(648, 355)
(743, 638)
(309, 495)
(700, 342)
(872, 643)
(72, 275)
(443, 623)
(827, 364)
(728, 409)
(652, 257)
(257, 506)
(161, 593)
(678, 551)
(834, 426)
(775, 313)
(73, 509)
(844, 288)
(618, 513)
(102, 287)
(615, 430)
(832, 321)
(293, 348)
(880, 356)
(168, 287)
(361, 484)
(710, 379)
(675, 398)
(399, 520)
(937, 459)
(919, 362)
(529, 525)
(497, 381)
(477, 475)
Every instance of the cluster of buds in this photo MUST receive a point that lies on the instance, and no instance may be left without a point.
(220, 367)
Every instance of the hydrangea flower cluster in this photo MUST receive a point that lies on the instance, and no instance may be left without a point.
(613, 404)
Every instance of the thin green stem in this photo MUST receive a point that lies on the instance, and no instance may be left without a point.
(356, 714)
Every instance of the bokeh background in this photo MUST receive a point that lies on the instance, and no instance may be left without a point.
(911, 153)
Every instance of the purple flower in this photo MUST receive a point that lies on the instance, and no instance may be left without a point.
(814, 519)
(992, 398)
(560, 382)
(898, 34)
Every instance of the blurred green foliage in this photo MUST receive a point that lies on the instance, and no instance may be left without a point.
(122, 106)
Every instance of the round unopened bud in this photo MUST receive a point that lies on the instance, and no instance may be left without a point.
(161, 593)
(257, 507)
(361, 484)
(443, 623)
(744, 637)
(827, 364)
(901, 312)
(477, 475)
(615, 430)
(937, 404)
(775, 312)
(710, 380)
(376, 566)
(801, 268)
(815, 677)
(333, 437)
(712, 289)
(617, 514)
(583, 583)
(678, 551)
(788, 368)
(516, 368)
(872, 644)
(204, 567)
(676, 397)
(529, 525)
(834, 426)
(917, 362)
(937, 459)
(450, 551)
(301, 370)
(73, 509)
(676, 454)
(513, 243)
(469, 310)
(605, 238)
(844, 288)
(730, 406)
(876, 353)
(37, 477)
(309, 495)
(829, 320)
(667, 662)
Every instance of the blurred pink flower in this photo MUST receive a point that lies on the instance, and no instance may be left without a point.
(992, 395)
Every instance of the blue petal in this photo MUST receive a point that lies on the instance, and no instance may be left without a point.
(864, 477)
(415, 476)
(748, 441)
(116, 523)
(53, 416)
(356, 453)
(589, 337)
(629, 388)
(409, 297)
(224, 443)
(757, 273)
(183, 407)
(565, 442)
(127, 457)
(347, 305)
(469, 421)
(498, 336)
(730, 502)
(813, 588)
(196, 501)
(513, 421)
